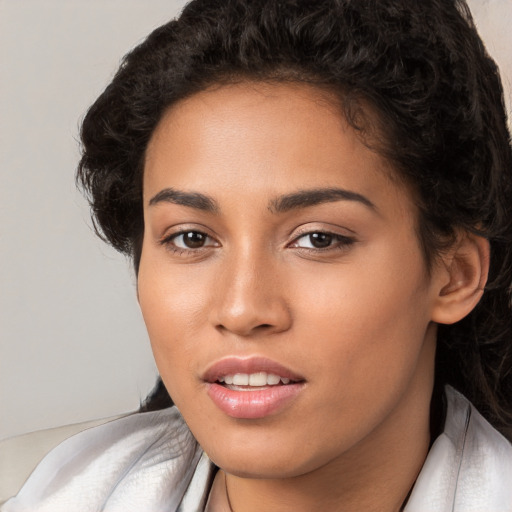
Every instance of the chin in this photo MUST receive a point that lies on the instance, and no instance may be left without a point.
(257, 469)
(265, 460)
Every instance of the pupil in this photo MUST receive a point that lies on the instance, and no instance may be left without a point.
(320, 240)
(193, 239)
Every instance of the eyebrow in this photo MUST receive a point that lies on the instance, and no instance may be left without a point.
(190, 199)
(282, 204)
(305, 198)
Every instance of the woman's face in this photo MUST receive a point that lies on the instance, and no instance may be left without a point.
(281, 281)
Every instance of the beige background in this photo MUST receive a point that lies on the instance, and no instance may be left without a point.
(72, 342)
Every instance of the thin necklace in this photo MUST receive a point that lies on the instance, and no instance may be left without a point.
(227, 493)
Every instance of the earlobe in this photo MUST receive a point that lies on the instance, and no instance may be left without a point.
(461, 277)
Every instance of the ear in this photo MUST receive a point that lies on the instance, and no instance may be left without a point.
(460, 278)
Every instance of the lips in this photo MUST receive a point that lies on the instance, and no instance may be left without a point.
(251, 388)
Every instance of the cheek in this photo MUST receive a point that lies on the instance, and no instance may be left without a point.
(379, 290)
(369, 318)
(169, 312)
(171, 297)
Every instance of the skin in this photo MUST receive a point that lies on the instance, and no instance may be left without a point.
(355, 319)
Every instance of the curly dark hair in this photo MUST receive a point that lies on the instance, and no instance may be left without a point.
(421, 68)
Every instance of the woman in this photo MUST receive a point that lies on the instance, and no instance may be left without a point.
(317, 197)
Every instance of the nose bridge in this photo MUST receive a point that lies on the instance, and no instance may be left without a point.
(251, 296)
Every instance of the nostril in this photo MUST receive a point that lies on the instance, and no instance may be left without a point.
(263, 328)
(246, 331)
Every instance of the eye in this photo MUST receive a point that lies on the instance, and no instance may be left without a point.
(322, 240)
(189, 240)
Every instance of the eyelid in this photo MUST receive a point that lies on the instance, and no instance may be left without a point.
(322, 226)
(330, 229)
(176, 235)
(179, 228)
(344, 240)
(341, 240)
(170, 235)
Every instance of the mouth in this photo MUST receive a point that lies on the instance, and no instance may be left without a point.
(252, 381)
(251, 388)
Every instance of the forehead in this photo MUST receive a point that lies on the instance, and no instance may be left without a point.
(262, 137)
(248, 118)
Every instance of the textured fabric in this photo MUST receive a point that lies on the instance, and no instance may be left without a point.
(151, 463)
(140, 463)
(468, 468)
(19, 455)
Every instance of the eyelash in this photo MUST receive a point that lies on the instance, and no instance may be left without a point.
(340, 242)
(168, 242)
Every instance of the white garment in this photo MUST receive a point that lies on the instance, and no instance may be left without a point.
(150, 462)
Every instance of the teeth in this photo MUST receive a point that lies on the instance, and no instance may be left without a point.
(259, 379)
(272, 380)
(241, 379)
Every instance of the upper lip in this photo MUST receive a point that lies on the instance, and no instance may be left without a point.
(233, 365)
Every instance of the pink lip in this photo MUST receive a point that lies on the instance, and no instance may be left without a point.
(251, 404)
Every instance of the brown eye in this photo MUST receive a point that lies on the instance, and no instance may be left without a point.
(315, 240)
(320, 240)
(194, 239)
(190, 240)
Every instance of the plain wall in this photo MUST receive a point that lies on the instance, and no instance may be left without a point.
(72, 342)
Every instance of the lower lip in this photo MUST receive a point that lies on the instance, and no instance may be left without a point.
(253, 404)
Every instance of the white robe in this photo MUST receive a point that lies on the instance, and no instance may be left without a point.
(150, 462)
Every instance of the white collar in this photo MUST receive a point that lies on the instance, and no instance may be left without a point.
(468, 468)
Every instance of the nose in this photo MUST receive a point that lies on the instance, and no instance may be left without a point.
(250, 298)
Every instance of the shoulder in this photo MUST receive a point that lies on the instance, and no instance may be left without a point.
(121, 465)
(19, 455)
(469, 467)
